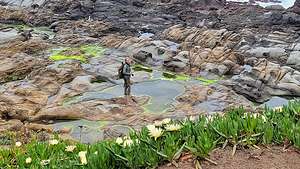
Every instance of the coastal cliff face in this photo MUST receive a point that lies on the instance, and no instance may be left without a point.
(225, 54)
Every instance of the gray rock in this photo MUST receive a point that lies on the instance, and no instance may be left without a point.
(294, 59)
(270, 52)
(143, 56)
(23, 3)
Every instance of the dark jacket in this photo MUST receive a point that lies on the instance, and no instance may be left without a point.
(126, 70)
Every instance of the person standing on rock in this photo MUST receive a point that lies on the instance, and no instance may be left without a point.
(126, 75)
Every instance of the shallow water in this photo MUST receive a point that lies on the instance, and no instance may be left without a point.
(276, 102)
(83, 130)
(162, 93)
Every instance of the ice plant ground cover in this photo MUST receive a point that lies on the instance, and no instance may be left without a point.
(158, 144)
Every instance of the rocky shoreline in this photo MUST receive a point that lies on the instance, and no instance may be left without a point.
(247, 54)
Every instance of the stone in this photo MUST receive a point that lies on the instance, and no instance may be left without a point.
(266, 79)
(18, 66)
(143, 56)
(10, 125)
(294, 59)
(263, 52)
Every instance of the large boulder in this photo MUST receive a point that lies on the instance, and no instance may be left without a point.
(266, 79)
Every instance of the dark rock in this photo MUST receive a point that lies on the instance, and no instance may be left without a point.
(143, 56)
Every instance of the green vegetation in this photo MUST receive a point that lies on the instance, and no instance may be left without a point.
(138, 67)
(207, 81)
(164, 141)
(182, 77)
(173, 76)
(81, 53)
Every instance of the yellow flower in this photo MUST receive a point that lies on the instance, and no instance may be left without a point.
(173, 127)
(18, 144)
(155, 132)
(45, 162)
(53, 142)
(128, 142)
(82, 156)
(70, 148)
(28, 160)
(119, 140)
(279, 109)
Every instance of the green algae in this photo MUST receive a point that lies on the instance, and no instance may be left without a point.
(138, 67)
(59, 57)
(183, 77)
(81, 53)
(173, 76)
(207, 81)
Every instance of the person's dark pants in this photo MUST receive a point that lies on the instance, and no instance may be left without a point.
(127, 87)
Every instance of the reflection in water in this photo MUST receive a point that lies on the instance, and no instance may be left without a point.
(83, 130)
(162, 93)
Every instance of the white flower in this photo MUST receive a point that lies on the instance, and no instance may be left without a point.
(162, 122)
(45, 162)
(150, 127)
(173, 127)
(264, 118)
(166, 121)
(119, 140)
(279, 109)
(155, 132)
(53, 142)
(210, 118)
(70, 148)
(82, 156)
(96, 152)
(28, 160)
(127, 142)
(18, 144)
(255, 115)
(158, 123)
(193, 118)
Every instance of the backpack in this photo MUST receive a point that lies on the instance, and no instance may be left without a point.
(120, 71)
